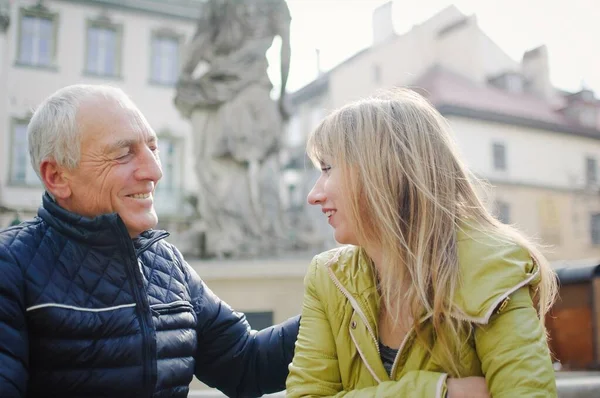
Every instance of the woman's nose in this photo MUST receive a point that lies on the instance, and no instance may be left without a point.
(316, 195)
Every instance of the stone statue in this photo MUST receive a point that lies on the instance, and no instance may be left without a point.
(224, 90)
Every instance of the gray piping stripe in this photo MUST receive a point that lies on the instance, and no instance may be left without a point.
(72, 307)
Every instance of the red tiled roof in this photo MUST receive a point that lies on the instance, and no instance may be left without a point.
(444, 87)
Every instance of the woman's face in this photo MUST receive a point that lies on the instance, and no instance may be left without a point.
(329, 193)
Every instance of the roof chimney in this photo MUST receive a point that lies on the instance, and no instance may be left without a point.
(536, 71)
(383, 26)
(318, 59)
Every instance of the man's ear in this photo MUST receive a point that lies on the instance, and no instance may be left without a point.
(55, 179)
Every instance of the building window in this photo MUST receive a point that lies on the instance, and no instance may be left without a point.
(165, 59)
(503, 212)
(168, 156)
(168, 193)
(259, 320)
(103, 56)
(499, 154)
(21, 172)
(37, 37)
(595, 229)
(591, 171)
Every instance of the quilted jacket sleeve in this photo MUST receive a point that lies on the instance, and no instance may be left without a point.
(14, 348)
(514, 353)
(315, 371)
(230, 356)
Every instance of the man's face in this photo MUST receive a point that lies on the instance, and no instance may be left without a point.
(119, 165)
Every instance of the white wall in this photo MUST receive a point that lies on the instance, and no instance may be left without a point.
(403, 59)
(535, 157)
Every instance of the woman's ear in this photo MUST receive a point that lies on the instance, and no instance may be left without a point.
(55, 180)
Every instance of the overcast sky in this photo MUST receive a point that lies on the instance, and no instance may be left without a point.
(339, 28)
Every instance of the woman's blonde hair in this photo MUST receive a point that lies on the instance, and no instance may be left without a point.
(410, 194)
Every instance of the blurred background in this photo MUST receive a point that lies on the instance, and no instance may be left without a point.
(517, 80)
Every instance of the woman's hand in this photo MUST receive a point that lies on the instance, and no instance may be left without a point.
(468, 387)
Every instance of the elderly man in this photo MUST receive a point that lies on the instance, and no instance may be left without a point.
(93, 302)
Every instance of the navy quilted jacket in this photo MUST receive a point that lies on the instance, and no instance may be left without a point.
(85, 311)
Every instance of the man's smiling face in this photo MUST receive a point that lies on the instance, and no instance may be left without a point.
(119, 165)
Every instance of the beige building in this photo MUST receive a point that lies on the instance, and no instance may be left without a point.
(538, 147)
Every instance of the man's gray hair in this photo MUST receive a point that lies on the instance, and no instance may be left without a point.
(53, 132)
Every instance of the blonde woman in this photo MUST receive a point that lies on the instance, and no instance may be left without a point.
(430, 288)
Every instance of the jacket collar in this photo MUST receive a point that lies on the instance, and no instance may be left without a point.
(106, 230)
(353, 270)
(491, 269)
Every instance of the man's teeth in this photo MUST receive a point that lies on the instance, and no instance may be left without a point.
(329, 213)
(140, 196)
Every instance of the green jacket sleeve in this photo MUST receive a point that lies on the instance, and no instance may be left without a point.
(314, 371)
(514, 352)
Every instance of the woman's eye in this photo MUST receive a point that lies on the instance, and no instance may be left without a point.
(325, 169)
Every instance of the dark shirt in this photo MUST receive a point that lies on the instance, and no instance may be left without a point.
(388, 356)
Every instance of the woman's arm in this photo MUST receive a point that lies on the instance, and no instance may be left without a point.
(514, 352)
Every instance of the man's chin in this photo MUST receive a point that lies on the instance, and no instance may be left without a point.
(135, 229)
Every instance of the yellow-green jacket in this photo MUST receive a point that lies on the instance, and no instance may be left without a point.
(337, 350)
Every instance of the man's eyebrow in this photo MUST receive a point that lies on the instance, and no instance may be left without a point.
(126, 143)
(114, 146)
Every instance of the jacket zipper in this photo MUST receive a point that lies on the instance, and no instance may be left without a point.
(401, 348)
(354, 305)
(361, 314)
(143, 313)
(501, 301)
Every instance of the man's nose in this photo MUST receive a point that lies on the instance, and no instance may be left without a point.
(150, 167)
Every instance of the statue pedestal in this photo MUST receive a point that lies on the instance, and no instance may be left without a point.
(270, 284)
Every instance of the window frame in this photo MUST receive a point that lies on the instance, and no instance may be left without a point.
(176, 192)
(14, 121)
(104, 23)
(41, 12)
(589, 181)
(164, 33)
(596, 241)
(504, 161)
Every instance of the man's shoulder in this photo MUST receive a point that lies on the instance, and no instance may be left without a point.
(25, 232)
(165, 249)
(19, 243)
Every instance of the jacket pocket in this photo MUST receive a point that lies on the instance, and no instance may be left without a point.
(171, 308)
(174, 315)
